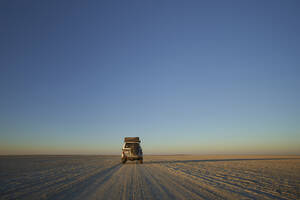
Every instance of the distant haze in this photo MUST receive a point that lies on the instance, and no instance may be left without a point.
(190, 77)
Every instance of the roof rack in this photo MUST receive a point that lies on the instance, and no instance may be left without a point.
(132, 139)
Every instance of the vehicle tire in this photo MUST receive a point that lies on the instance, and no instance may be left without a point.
(124, 160)
(141, 161)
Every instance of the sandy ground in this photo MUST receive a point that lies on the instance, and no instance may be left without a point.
(160, 177)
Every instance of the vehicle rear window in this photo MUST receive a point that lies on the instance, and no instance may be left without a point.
(131, 145)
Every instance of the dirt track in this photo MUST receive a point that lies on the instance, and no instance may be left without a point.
(160, 177)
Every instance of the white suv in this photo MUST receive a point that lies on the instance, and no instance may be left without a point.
(132, 150)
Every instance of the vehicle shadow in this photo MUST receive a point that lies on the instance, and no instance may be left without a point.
(213, 160)
(130, 163)
(86, 185)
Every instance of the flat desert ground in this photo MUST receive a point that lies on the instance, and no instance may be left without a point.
(160, 177)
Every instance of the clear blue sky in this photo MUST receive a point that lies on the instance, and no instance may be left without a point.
(186, 76)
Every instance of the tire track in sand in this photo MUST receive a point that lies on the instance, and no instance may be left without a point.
(147, 181)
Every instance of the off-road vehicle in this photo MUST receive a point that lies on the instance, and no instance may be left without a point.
(132, 150)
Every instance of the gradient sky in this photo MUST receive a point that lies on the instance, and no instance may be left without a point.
(199, 77)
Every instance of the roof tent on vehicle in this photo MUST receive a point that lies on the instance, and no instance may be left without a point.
(132, 139)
